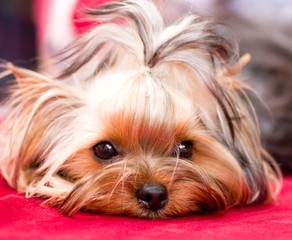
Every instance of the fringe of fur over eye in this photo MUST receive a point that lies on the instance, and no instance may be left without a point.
(144, 88)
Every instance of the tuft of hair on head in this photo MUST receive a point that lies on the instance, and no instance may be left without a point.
(137, 29)
(133, 35)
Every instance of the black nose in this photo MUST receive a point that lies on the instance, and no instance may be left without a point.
(152, 196)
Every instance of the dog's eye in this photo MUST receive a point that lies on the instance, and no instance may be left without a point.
(185, 149)
(104, 150)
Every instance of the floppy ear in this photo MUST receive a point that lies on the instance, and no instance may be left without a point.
(37, 104)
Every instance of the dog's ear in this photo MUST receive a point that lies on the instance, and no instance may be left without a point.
(39, 108)
(229, 76)
(18, 72)
(34, 84)
(27, 82)
(236, 68)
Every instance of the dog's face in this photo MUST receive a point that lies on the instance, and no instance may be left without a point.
(171, 138)
(146, 153)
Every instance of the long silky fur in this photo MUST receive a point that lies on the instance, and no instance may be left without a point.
(151, 85)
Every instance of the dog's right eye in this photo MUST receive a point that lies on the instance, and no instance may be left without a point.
(184, 150)
(104, 150)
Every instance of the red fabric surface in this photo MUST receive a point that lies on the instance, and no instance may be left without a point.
(22, 218)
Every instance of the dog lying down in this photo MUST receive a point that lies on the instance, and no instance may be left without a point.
(151, 122)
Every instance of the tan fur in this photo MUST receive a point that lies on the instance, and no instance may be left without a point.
(161, 85)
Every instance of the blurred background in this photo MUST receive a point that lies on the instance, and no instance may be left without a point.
(33, 30)
(17, 35)
(17, 32)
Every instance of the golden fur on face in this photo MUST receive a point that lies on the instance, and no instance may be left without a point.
(151, 122)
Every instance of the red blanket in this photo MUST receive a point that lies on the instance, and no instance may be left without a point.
(22, 218)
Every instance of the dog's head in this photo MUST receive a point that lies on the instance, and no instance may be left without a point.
(151, 122)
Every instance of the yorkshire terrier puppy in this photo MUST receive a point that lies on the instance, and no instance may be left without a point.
(151, 121)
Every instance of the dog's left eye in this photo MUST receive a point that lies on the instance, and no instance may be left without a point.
(105, 150)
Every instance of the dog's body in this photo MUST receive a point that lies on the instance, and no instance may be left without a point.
(157, 126)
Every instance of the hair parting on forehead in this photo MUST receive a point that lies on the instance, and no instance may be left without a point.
(126, 23)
